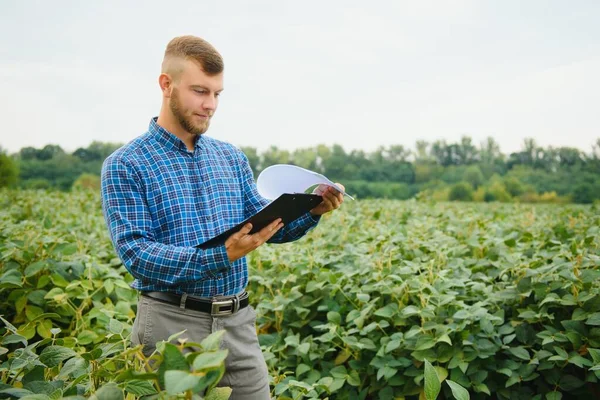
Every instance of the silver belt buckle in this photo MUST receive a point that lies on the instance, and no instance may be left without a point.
(216, 307)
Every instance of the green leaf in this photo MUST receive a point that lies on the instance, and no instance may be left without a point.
(459, 392)
(334, 317)
(16, 392)
(336, 385)
(444, 338)
(109, 391)
(304, 348)
(210, 360)
(554, 396)
(580, 361)
(140, 388)
(461, 314)
(59, 280)
(10, 339)
(432, 382)
(520, 352)
(172, 360)
(482, 388)
(409, 311)
(40, 387)
(8, 325)
(65, 249)
(180, 381)
(219, 393)
(115, 326)
(562, 353)
(392, 345)
(11, 278)
(509, 338)
(363, 297)
(386, 372)
(387, 311)
(524, 285)
(593, 319)
(213, 341)
(76, 367)
(424, 343)
(303, 385)
(92, 355)
(34, 268)
(51, 356)
(339, 372)
(302, 369)
(44, 328)
(570, 382)
(38, 396)
(595, 353)
(353, 378)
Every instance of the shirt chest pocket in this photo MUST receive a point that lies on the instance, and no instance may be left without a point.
(225, 191)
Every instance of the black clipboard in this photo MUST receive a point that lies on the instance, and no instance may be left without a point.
(288, 207)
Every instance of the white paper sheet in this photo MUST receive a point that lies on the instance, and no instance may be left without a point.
(278, 179)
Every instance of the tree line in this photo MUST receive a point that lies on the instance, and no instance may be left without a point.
(438, 170)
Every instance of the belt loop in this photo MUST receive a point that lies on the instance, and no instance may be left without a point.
(182, 302)
(236, 303)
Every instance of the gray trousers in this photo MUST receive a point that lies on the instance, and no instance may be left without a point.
(245, 368)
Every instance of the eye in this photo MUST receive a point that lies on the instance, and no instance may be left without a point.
(200, 91)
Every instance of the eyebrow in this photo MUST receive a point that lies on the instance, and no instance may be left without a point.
(205, 88)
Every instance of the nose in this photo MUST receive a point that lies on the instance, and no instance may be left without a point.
(210, 103)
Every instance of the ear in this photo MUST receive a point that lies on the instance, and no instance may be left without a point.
(166, 84)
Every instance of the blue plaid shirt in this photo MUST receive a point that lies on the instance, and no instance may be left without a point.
(160, 200)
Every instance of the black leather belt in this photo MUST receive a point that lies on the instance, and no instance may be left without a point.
(222, 305)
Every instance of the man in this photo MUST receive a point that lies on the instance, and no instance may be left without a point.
(173, 188)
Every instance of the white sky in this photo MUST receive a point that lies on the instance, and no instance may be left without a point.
(300, 73)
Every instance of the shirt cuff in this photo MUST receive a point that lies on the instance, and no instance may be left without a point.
(309, 221)
(215, 260)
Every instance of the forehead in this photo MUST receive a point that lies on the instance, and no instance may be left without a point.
(193, 74)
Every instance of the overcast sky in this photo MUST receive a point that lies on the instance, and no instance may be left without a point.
(300, 73)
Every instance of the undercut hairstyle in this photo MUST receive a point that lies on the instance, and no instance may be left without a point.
(191, 48)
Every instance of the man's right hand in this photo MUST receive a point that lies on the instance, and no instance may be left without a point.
(241, 243)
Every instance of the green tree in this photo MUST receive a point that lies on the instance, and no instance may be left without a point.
(514, 186)
(461, 191)
(273, 156)
(253, 159)
(9, 170)
(474, 176)
(586, 193)
(305, 158)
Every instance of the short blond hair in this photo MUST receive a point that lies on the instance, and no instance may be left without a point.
(190, 47)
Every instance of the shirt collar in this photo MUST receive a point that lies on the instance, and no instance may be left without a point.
(166, 138)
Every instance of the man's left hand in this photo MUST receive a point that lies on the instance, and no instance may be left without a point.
(332, 199)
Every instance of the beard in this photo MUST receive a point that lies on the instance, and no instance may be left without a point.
(184, 120)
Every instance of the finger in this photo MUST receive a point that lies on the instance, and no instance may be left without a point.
(270, 229)
(239, 234)
(334, 200)
(260, 237)
(246, 229)
(320, 189)
(341, 186)
(327, 203)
